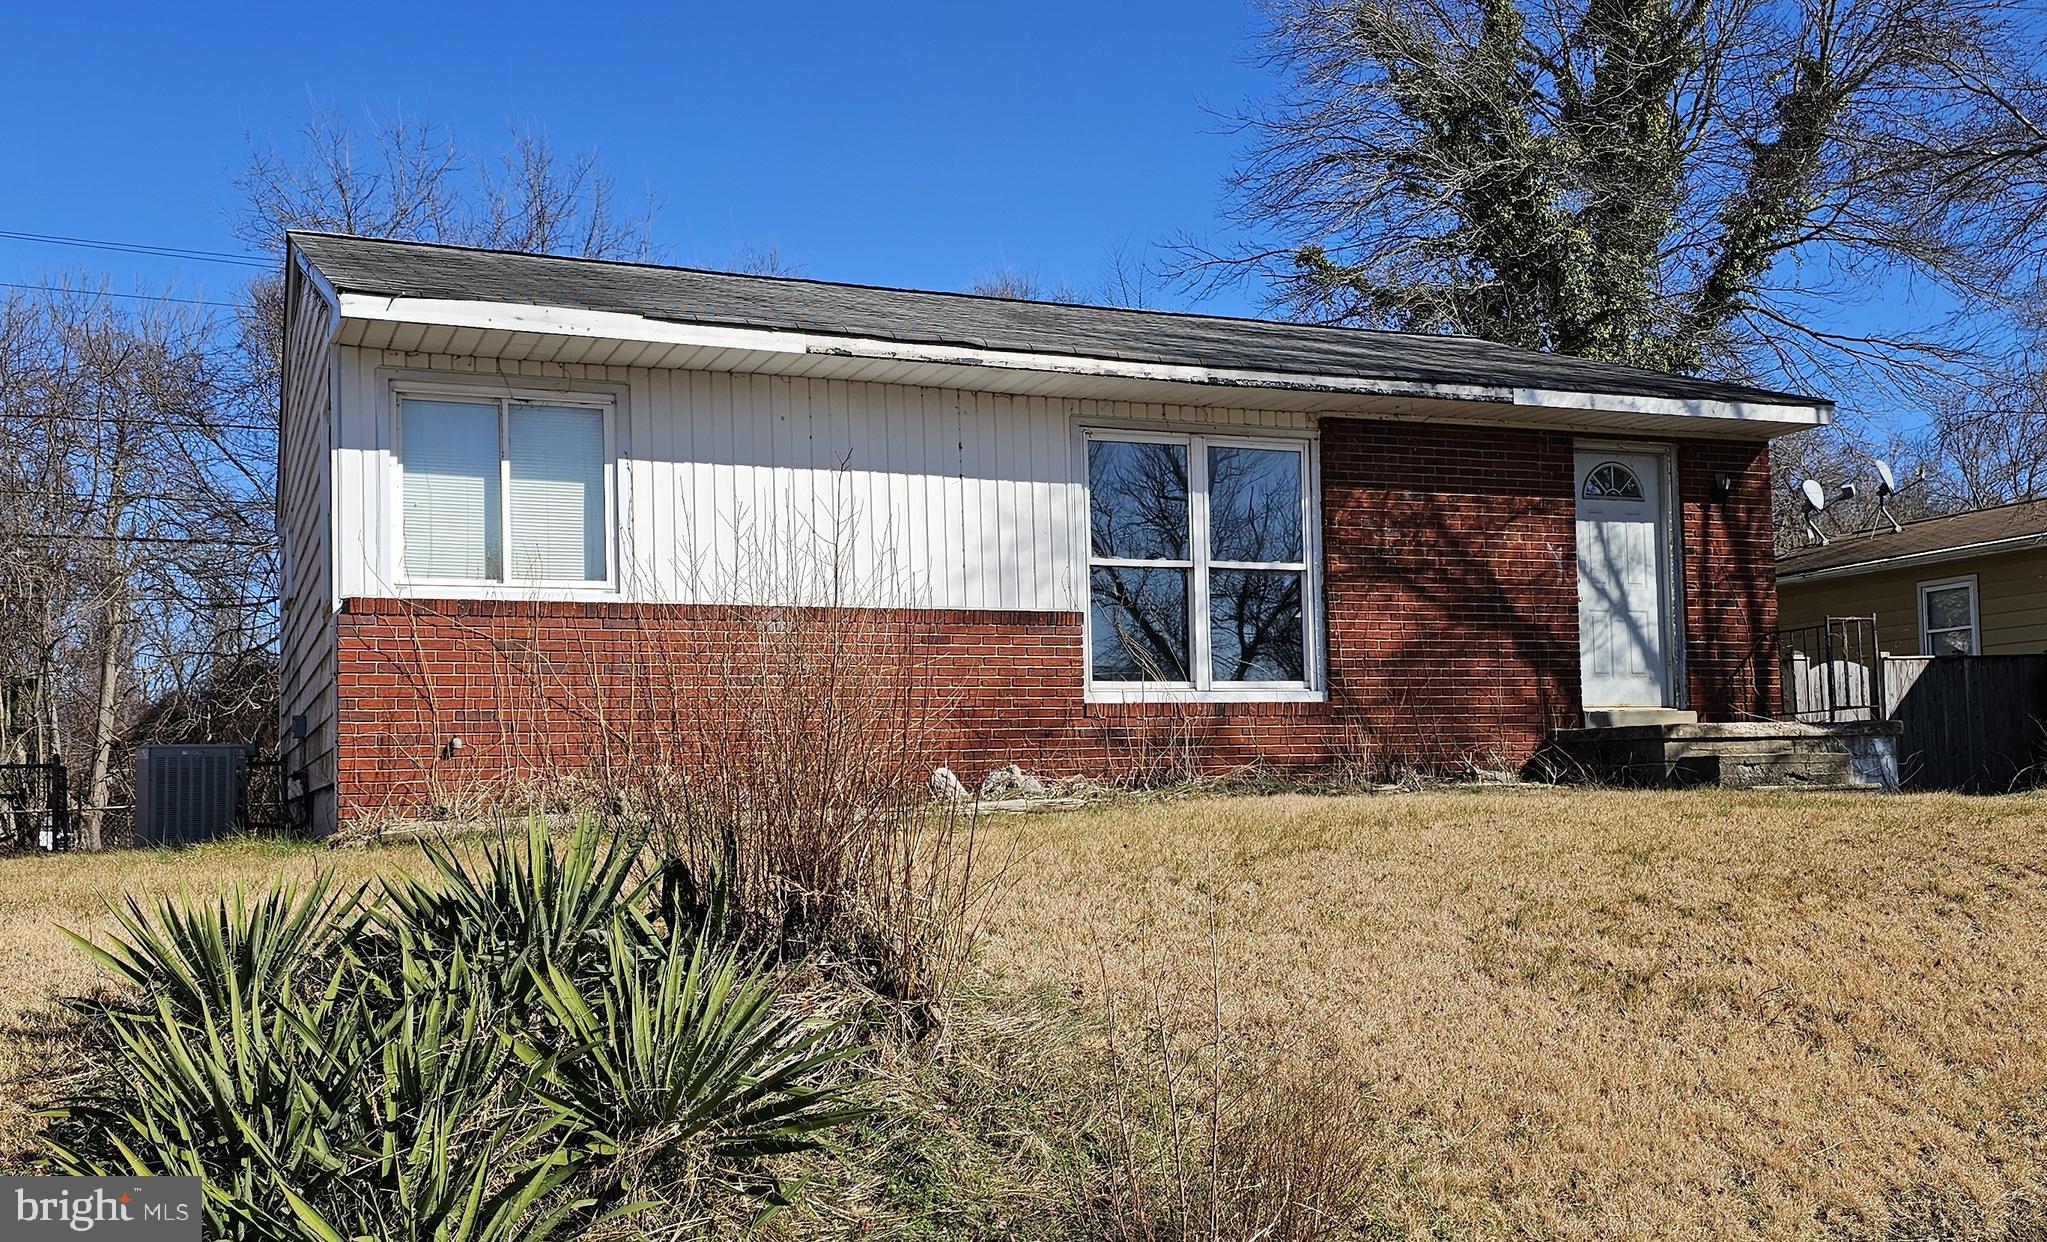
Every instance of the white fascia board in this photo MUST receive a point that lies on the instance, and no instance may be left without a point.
(1767, 419)
(1934, 556)
(308, 272)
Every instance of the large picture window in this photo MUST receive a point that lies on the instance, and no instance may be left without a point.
(504, 491)
(1198, 563)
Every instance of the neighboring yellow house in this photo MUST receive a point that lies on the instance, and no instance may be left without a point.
(1968, 584)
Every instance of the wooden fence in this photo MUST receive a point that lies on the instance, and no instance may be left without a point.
(1975, 723)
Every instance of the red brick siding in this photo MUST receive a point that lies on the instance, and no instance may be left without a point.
(1451, 617)
(1452, 596)
(1730, 580)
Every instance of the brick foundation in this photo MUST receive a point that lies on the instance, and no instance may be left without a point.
(1450, 608)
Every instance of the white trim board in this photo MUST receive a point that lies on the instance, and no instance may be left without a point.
(503, 329)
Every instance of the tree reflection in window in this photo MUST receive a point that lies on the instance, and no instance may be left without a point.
(1147, 619)
(1610, 480)
(1140, 624)
(1254, 504)
(1137, 500)
(1256, 567)
(1254, 618)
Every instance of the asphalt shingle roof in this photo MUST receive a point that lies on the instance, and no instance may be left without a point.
(1928, 535)
(687, 295)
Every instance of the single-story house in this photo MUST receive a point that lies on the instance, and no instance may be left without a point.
(1970, 583)
(1285, 543)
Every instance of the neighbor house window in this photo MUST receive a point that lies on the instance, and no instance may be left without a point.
(1947, 618)
(504, 491)
(1198, 574)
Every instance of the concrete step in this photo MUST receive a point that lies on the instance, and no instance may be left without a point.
(1631, 717)
(1761, 754)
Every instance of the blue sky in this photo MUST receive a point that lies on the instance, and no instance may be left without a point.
(908, 144)
(916, 144)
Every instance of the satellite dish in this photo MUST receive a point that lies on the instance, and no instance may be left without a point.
(1886, 486)
(1815, 497)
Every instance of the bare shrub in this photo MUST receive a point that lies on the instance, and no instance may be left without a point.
(791, 799)
(1218, 1139)
(798, 808)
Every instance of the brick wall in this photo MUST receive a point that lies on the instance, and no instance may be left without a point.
(1451, 621)
(1730, 580)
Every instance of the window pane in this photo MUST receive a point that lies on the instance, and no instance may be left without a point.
(1254, 625)
(1950, 642)
(1948, 609)
(1140, 624)
(1138, 499)
(1254, 504)
(557, 468)
(451, 489)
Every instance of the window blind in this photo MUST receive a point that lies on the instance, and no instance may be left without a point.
(451, 489)
(556, 454)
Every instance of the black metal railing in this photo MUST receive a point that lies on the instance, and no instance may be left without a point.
(1832, 671)
(35, 806)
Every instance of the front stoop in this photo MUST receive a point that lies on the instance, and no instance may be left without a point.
(1627, 717)
(1754, 754)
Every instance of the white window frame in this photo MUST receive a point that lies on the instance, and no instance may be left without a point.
(1314, 687)
(504, 398)
(1926, 631)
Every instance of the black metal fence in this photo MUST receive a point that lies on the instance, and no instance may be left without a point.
(1832, 671)
(35, 806)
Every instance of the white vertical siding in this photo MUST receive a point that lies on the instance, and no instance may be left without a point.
(747, 487)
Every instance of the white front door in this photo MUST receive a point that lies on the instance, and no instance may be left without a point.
(1623, 572)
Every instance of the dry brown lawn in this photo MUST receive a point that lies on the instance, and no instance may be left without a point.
(1605, 1014)
(1567, 1014)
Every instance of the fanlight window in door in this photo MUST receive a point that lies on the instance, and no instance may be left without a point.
(1610, 480)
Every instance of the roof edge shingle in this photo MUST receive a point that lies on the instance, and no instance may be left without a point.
(800, 304)
(1991, 530)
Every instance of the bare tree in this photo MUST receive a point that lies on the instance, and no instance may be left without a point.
(124, 515)
(1987, 440)
(408, 178)
(1129, 280)
(138, 549)
(762, 261)
(1687, 185)
(1008, 282)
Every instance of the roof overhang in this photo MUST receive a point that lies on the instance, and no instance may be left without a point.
(522, 332)
(1932, 556)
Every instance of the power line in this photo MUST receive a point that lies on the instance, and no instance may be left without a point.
(168, 252)
(29, 493)
(134, 421)
(172, 539)
(109, 293)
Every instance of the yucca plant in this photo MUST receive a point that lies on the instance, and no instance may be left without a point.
(310, 1117)
(685, 1054)
(471, 1060)
(523, 907)
(460, 1150)
(255, 1096)
(223, 953)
